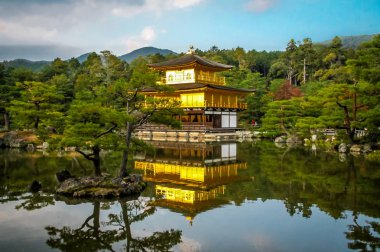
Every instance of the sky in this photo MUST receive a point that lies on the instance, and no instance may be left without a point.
(46, 29)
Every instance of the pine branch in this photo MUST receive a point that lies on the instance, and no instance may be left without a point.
(87, 156)
(107, 131)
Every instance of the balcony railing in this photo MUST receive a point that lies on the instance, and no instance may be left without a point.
(200, 78)
(207, 104)
(211, 79)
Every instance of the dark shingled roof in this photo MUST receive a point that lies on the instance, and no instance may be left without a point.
(188, 59)
(199, 85)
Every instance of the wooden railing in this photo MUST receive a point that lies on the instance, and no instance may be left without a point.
(207, 104)
(206, 79)
(211, 79)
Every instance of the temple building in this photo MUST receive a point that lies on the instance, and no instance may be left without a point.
(191, 177)
(209, 105)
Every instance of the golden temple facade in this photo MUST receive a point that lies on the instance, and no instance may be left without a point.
(208, 104)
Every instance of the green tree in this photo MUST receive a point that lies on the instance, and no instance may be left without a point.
(291, 61)
(282, 115)
(8, 92)
(135, 109)
(39, 103)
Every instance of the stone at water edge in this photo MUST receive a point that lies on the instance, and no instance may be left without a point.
(366, 148)
(342, 148)
(314, 138)
(293, 139)
(355, 148)
(35, 186)
(280, 139)
(63, 175)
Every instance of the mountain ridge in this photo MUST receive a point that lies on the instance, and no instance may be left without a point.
(347, 41)
(350, 41)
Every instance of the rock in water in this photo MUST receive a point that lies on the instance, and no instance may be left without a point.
(280, 139)
(63, 175)
(342, 148)
(35, 186)
(366, 148)
(314, 138)
(93, 187)
(355, 148)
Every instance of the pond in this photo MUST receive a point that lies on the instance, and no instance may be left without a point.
(252, 196)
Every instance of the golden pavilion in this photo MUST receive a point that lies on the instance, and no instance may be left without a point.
(209, 105)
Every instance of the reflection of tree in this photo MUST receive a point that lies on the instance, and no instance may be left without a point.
(364, 238)
(35, 201)
(302, 180)
(134, 211)
(90, 236)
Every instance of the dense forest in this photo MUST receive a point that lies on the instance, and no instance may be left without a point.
(306, 87)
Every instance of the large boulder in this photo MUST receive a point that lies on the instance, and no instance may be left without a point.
(14, 140)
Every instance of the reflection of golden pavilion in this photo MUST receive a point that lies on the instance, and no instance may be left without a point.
(191, 178)
(198, 165)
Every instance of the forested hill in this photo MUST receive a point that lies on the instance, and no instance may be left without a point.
(33, 65)
(351, 41)
(145, 51)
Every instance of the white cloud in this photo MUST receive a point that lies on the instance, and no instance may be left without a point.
(152, 6)
(35, 22)
(185, 3)
(20, 32)
(145, 38)
(260, 5)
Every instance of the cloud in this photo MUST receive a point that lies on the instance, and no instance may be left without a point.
(152, 6)
(145, 38)
(260, 5)
(37, 21)
(33, 52)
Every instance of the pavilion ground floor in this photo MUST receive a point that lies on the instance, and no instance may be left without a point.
(197, 126)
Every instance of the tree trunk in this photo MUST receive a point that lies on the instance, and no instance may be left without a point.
(96, 160)
(7, 123)
(36, 122)
(347, 123)
(96, 219)
(127, 225)
(123, 167)
(37, 118)
(304, 71)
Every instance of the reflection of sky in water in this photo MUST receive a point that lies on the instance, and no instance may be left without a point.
(253, 226)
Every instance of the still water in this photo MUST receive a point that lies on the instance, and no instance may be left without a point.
(201, 197)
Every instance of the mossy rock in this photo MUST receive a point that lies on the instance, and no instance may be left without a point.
(102, 187)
